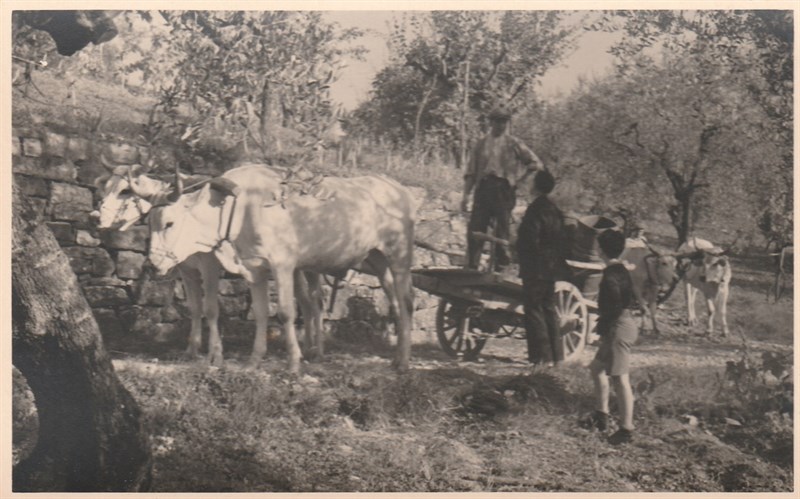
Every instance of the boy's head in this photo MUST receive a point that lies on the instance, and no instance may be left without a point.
(611, 243)
(543, 182)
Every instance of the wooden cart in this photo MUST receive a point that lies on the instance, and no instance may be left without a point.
(478, 305)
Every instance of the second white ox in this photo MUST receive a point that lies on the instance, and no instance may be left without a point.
(708, 271)
(367, 222)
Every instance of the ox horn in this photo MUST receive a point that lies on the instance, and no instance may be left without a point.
(653, 250)
(135, 187)
(106, 163)
(178, 190)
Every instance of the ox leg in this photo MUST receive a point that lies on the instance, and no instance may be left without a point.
(284, 280)
(396, 282)
(303, 297)
(259, 293)
(722, 296)
(314, 320)
(711, 310)
(210, 275)
(405, 297)
(194, 295)
(690, 299)
(653, 306)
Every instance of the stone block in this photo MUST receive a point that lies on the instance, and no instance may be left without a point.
(232, 305)
(129, 264)
(94, 261)
(77, 149)
(422, 258)
(61, 193)
(433, 232)
(106, 296)
(357, 279)
(106, 281)
(63, 232)
(121, 153)
(55, 144)
(134, 238)
(232, 287)
(32, 186)
(156, 292)
(170, 314)
(140, 319)
(31, 147)
(16, 146)
(70, 213)
(89, 171)
(108, 322)
(52, 168)
(85, 238)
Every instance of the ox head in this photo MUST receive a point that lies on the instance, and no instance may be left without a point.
(119, 207)
(664, 267)
(185, 224)
(707, 263)
(714, 266)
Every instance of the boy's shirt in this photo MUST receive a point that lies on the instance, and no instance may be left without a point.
(615, 295)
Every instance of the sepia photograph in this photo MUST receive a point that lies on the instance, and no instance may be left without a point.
(478, 247)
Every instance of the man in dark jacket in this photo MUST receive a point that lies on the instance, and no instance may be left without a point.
(541, 250)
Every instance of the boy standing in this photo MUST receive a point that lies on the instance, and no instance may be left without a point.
(618, 332)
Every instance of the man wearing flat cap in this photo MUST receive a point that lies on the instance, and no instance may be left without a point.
(498, 163)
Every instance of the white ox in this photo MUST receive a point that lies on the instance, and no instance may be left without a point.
(708, 270)
(367, 222)
(121, 207)
(651, 272)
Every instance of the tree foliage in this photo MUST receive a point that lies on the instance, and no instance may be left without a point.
(441, 57)
(750, 53)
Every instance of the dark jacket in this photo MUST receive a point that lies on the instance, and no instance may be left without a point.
(615, 295)
(541, 242)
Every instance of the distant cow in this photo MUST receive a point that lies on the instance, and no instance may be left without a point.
(651, 273)
(708, 270)
(330, 226)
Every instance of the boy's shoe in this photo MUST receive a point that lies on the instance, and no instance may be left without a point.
(597, 419)
(621, 436)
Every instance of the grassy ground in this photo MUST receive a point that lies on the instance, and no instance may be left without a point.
(711, 411)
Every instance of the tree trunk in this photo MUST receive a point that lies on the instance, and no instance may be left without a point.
(90, 432)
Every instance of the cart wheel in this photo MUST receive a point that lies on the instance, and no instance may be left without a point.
(454, 330)
(573, 318)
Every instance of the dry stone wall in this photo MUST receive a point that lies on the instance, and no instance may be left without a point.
(56, 172)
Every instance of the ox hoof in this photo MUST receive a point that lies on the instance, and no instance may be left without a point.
(215, 360)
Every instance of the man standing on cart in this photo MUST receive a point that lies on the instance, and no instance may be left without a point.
(541, 248)
(498, 164)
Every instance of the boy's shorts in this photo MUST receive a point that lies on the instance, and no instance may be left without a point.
(614, 353)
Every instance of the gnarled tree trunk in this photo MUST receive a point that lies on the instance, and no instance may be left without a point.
(90, 432)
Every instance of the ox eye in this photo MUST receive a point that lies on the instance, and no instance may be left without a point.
(169, 224)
